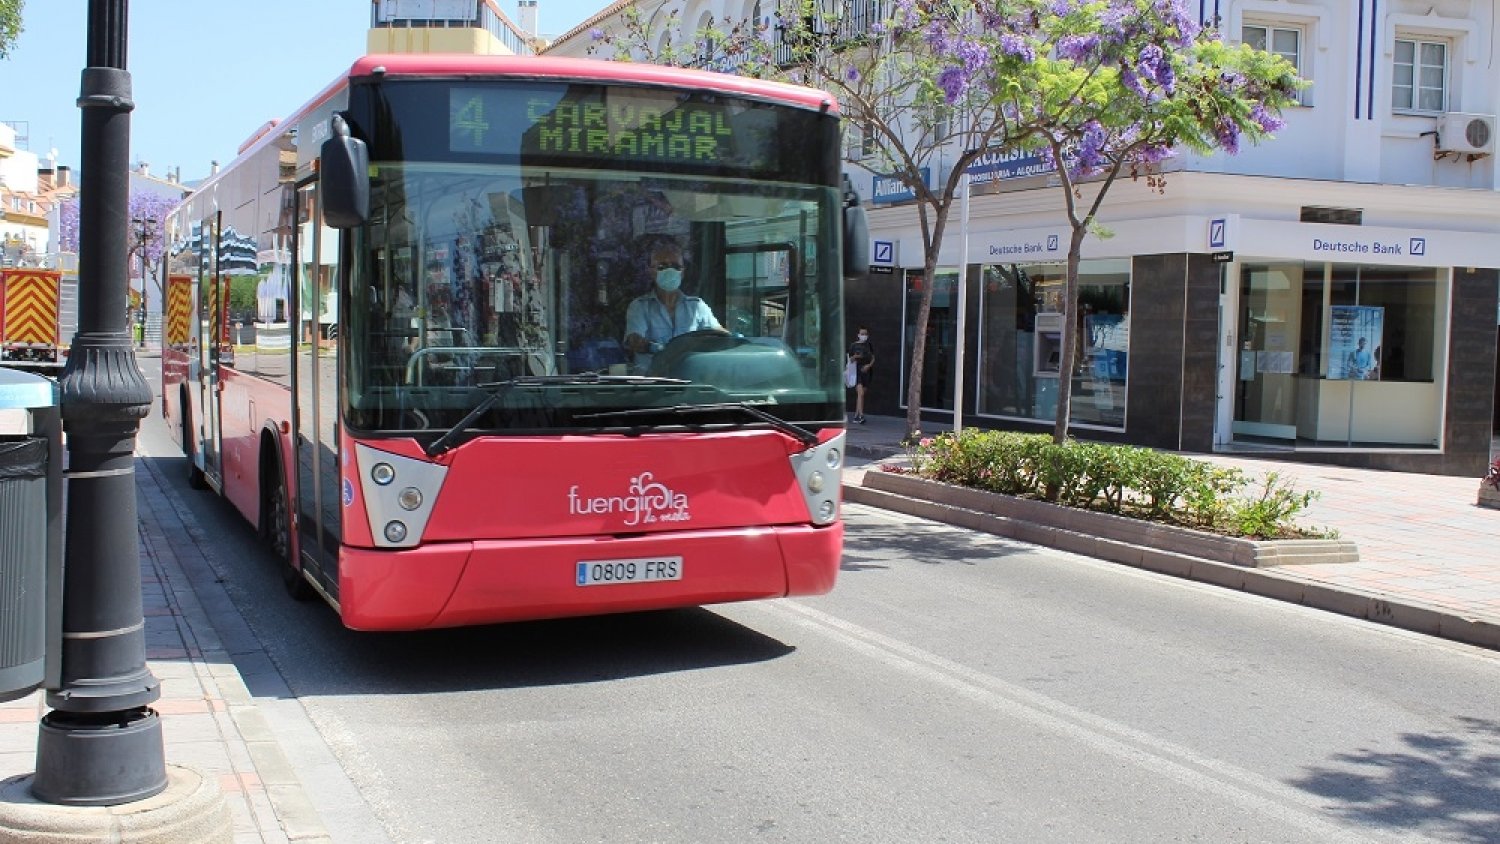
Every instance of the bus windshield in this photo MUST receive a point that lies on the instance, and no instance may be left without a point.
(684, 278)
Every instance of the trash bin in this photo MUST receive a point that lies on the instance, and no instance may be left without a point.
(23, 564)
(29, 533)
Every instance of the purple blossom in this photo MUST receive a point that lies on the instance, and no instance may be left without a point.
(1268, 122)
(906, 12)
(1091, 147)
(938, 38)
(1153, 64)
(1175, 14)
(973, 56)
(954, 82)
(1228, 134)
(851, 74)
(1061, 8)
(1077, 48)
(596, 34)
(1014, 45)
(1154, 154)
(1132, 82)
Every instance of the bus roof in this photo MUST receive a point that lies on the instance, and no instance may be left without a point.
(546, 67)
(538, 67)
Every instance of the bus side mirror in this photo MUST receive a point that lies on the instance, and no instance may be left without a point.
(345, 177)
(856, 234)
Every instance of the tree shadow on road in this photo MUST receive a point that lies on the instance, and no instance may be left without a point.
(869, 546)
(1442, 786)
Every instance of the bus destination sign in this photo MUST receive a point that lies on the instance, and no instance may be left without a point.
(595, 123)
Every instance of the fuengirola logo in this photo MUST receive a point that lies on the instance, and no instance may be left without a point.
(647, 503)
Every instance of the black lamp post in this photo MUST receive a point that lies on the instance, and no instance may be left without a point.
(142, 238)
(101, 745)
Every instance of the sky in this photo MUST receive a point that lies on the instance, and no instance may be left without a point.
(205, 76)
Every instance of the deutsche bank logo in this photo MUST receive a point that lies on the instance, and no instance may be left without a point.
(885, 252)
(1051, 243)
(1418, 246)
(1215, 234)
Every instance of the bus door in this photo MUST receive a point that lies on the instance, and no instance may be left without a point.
(210, 319)
(315, 386)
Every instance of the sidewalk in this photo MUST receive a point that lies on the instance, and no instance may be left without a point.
(210, 722)
(1423, 542)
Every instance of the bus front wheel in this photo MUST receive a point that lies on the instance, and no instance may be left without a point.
(278, 529)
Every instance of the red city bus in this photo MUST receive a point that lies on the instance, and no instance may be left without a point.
(422, 348)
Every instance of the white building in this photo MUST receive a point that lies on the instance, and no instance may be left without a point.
(1228, 311)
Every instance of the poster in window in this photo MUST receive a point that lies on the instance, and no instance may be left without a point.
(1354, 337)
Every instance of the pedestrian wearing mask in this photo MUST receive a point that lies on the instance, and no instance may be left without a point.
(862, 358)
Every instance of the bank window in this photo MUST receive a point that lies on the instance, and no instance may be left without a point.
(1284, 41)
(1022, 335)
(1419, 75)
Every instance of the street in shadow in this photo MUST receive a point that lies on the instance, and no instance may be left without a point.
(1445, 787)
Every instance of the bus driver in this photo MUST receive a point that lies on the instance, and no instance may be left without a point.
(654, 318)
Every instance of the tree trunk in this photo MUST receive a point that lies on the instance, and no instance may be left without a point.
(1069, 339)
(924, 313)
(919, 349)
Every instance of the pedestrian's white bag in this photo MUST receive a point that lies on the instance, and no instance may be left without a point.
(851, 373)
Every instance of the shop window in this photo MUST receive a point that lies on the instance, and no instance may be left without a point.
(1022, 335)
(1419, 75)
(1339, 355)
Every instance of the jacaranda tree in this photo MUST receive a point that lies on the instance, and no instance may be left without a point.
(1116, 87)
(1108, 86)
(149, 208)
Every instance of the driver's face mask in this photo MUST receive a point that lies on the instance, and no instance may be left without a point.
(669, 278)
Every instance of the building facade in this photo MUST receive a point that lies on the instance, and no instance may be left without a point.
(1329, 296)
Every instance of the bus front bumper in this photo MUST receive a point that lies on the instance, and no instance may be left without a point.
(463, 583)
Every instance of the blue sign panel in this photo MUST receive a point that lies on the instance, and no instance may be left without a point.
(890, 189)
(1216, 235)
(1013, 164)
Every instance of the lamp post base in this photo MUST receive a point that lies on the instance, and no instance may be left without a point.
(102, 759)
(190, 810)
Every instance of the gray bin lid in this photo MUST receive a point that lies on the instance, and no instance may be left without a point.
(25, 390)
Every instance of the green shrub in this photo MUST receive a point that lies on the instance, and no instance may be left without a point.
(1113, 478)
(1270, 514)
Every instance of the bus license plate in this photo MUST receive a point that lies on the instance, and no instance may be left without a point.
(642, 570)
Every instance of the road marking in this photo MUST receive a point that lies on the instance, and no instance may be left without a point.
(1178, 763)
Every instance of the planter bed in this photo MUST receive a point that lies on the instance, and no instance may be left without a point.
(1488, 496)
(1104, 535)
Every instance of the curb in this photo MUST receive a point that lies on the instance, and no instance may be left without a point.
(1278, 585)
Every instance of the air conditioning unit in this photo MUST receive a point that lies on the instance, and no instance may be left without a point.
(1473, 134)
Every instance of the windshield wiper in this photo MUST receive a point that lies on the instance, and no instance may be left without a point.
(499, 389)
(805, 436)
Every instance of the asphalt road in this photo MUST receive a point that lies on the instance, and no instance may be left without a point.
(953, 687)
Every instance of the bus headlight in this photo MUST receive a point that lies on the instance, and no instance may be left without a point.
(410, 498)
(382, 473)
(815, 482)
(835, 458)
(826, 511)
(395, 532)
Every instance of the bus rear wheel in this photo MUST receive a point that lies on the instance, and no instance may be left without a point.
(278, 531)
(195, 478)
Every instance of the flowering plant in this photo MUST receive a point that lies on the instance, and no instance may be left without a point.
(1493, 478)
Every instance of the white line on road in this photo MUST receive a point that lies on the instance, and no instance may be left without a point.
(1180, 764)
